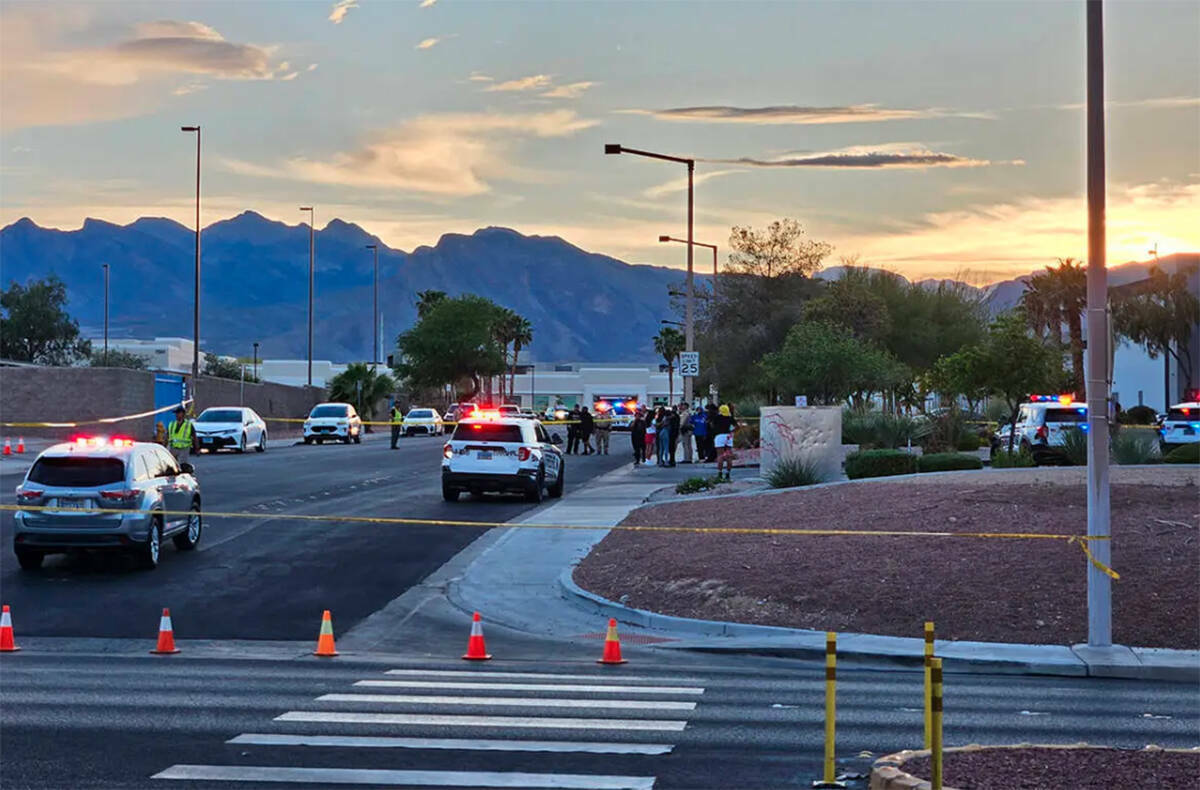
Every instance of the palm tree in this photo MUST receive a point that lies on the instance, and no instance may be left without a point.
(1053, 297)
(522, 335)
(670, 343)
(363, 386)
(503, 329)
(426, 301)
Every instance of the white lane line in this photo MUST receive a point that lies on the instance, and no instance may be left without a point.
(517, 702)
(372, 776)
(458, 744)
(466, 673)
(440, 684)
(456, 720)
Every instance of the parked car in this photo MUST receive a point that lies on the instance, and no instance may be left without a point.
(1042, 424)
(502, 454)
(1180, 426)
(424, 421)
(70, 482)
(333, 422)
(236, 427)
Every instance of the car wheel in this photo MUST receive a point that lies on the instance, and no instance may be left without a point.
(262, 443)
(308, 440)
(241, 448)
(534, 494)
(346, 439)
(449, 494)
(148, 553)
(187, 540)
(30, 560)
(556, 490)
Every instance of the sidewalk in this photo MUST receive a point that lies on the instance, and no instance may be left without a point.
(520, 578)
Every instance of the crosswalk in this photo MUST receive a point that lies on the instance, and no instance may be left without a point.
(419, 716)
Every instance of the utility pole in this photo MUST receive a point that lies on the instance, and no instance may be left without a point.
(375, 319)
(1099, 588)
(256, 361)
(196, 306)
(311, 221)
(105, 315)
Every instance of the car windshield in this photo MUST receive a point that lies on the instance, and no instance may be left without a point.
(77, 472)
(487, 432)
(1183, 414)
(421, 414)
(1073, 414)
(330, 411)
(220, 415)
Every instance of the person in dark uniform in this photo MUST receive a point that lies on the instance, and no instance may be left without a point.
(573, 431)
(586, 425)
(672, 434)
(637, 436)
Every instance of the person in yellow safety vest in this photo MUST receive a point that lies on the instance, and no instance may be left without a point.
(180, 435)
(397, 421)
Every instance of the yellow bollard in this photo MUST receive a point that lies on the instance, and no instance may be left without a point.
(928, 683)
(829, 779)
(935, 748)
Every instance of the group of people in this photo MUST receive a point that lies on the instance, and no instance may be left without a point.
(659, 433)
(581, 426)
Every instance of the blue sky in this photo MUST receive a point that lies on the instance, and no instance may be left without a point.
(935, 139)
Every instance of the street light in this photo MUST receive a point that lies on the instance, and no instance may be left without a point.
(689, 310)
(256, 361)
(105, 314)
(309, 209)
(375, 325)
(712, 247)
(196, 307)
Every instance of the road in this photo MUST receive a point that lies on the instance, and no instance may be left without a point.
(672, 722)
(258, 578)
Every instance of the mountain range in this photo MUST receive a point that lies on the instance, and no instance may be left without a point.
(583, 306)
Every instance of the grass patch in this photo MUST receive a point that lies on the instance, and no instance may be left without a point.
(792, 472)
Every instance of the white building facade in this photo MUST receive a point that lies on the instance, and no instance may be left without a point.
(583, 383)
(294, 372)
(161, 353)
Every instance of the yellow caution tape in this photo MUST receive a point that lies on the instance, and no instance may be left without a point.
(101, 421)
(1080, 540)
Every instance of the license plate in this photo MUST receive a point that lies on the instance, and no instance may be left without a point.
(1189, 431)
(484, 455)
(207, 441)
(73, 504)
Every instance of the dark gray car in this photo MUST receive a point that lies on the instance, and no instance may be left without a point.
(77, 490)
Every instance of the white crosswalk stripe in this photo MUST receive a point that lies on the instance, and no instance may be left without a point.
(544, 694)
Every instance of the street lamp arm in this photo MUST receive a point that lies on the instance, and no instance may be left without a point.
(616, 148)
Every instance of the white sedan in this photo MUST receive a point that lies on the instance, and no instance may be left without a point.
(424, 421)
(236, 427)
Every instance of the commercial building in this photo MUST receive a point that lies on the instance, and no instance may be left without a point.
(294, 372)
(542, 384)
(161, 353)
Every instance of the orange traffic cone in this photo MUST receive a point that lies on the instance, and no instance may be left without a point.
(6, 633)
(8, 446)
(476, 651)
(166, 635)
(612, 645)
(20, 444)
(325, 646)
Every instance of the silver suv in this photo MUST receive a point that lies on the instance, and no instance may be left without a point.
(77, 490)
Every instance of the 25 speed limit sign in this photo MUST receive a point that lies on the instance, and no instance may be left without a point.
(689, 363)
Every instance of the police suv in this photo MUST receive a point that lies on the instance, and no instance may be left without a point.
(1180, 425)
(1042, 426)
(490, 452)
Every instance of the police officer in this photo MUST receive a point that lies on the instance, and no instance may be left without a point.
(179, 435)
(397, 420)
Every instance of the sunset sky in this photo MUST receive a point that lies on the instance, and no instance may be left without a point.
(934, 139)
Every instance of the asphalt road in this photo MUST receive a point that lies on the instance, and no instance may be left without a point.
(115, 722)
(258, 578)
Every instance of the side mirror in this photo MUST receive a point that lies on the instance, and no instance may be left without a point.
(555, 439)
(187, 468)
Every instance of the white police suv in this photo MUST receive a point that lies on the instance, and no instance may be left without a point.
(494, 453)
(1042, 426)
(1180, 425)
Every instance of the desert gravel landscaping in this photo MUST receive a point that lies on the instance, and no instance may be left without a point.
(1080, 769)
(1031, 591)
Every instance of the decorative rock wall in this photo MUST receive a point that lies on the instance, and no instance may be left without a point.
(813, 433)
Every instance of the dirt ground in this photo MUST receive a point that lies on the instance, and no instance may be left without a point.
(1031, 591)
(1079, 769)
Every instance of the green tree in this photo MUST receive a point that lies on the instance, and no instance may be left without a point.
(426, 301)
(454, 341)
(962, 373)
(1054, 297)
(851, 303)
(1159, 314)
(225, 368)
(670, 343)
(1017, 363)
(521, 334)
(35, 326)
(363, 386)
(828, 364)
(117, 359)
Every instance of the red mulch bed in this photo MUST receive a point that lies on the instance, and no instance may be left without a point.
(1031, 591)
(1078, 769)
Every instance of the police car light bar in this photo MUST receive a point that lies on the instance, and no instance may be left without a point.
(1064, 399)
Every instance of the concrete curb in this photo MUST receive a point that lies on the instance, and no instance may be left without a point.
(887, 773)
(975, 657)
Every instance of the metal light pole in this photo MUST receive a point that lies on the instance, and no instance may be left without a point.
(1166, 356)
(1099, 585)
(196, 309)
(256, 361)
(375, 324)
(105, 314)
(311, 215)
(712, 247)
(689, 310)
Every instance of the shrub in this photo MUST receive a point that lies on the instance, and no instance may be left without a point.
(887, 431)
(747, 435)
(1002, 459)
(945, 462)
(791, 472)
(858, 428)
(1138, 415)
(1184, 454)
(694, 485)
(968, 442)
(1135, 446)
(1074, 447)
(945, 431)
(879, 463)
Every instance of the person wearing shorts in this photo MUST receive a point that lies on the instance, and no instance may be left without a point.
(723, 427)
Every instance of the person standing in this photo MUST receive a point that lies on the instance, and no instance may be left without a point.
(698, 421)
(685, 431)
(637, 437)
(180, 435)
(651, 436)
(603, 430)
(710, 443)
(586, 425)
(397, 421)
(673, 434)
(573, 431)
(725, 426)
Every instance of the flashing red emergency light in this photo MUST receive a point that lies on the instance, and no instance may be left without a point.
(100, 441)
(485, 415)
(1065, 399)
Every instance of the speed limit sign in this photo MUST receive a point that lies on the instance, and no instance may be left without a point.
(689, 363)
